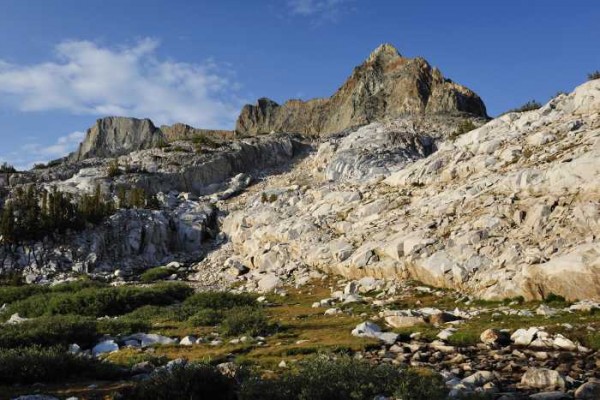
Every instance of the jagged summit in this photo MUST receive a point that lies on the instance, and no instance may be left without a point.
(384, 50)
(385, 85)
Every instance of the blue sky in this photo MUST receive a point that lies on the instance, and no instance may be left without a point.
(64, 63)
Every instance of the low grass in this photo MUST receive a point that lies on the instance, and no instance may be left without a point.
(130, 356)
(156, 274)
(301, 331)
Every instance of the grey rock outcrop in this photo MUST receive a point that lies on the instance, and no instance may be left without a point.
(386, 85)
(130, 239)
(115, 136)
(376, 150)
(183, 169)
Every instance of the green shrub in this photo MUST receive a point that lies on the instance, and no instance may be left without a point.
(76, 286)
(10, 294)
(342, 379)
(66, 329)
(185, 382)
(50, 331)
(38, 364)
(464, 339)
(156, 274)
(121, 326)
(593, 75)
(113, 169)
(421, 385)
(154, 313)
(554, 298)
(206, 317)
(245, 321)
(466, 125)
(204, 141)
(99, 302)
(529, 106)
(215, 301)
(11, 278)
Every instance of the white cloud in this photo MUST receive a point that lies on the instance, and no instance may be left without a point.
(63, 146)
(86, 78)
(320, 9)
(34, 153)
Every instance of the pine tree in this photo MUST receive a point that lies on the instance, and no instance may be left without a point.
(7, 224)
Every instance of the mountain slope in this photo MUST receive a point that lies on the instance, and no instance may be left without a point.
(508, 209)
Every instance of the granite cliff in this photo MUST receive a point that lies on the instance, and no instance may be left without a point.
(115, 136)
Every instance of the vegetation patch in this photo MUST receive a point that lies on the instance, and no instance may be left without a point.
(529, 106)
(108, 301)
(593, 75)
(185, 382)
(52, 364)
(344, 379)
(156, 274)
(466, 125)
(246, 321)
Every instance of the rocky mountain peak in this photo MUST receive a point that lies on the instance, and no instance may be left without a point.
(384, 51)
(386, 85)
(115, 136)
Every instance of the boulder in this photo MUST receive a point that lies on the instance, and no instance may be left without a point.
(107, 346)
(16, 319)
(400, 321)
(150, 339)
(524, 337)
(366, 329)
(543, 378)
(495, 337)
(188, 341)
(563, 343)
(555, 395)
(268, 283)
(588, 391)
(479, 378)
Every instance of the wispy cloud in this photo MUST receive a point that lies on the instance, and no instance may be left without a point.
(86, 78)
(319, 10)
(64, 145)
(35, 153)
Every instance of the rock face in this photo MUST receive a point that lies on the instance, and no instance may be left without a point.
(386, 85)
(115, 136)
(508, 209)
(130, 239)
